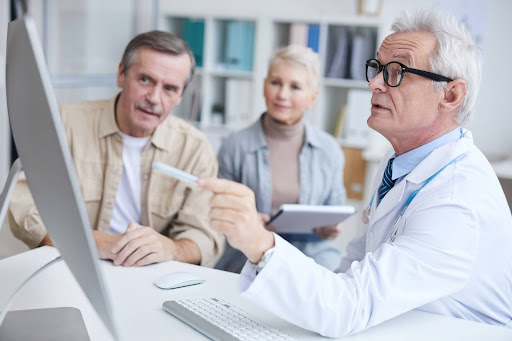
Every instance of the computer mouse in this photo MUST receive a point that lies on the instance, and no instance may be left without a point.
(176, 280)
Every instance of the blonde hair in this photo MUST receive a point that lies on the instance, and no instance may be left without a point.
(300, 55)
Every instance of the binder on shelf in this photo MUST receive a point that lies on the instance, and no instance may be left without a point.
(338, 67)
(313, 36)
(298, 34)
(338, 128)
(195, 108)
(238, 102)
(193, 34)
(363, 48)
(239, 45)
(356, 131)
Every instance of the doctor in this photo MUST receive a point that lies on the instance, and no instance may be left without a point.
(438, 231)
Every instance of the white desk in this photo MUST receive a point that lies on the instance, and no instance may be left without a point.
(137, 303)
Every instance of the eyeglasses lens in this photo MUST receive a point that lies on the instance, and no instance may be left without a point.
(393, 73)
(372, 69)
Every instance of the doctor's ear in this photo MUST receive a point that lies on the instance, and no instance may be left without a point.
(453, 95)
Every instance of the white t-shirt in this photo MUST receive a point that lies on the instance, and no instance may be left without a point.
(127, 208)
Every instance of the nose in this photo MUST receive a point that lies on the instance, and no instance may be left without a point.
(153, 95)
(283, 92)
(377, 83)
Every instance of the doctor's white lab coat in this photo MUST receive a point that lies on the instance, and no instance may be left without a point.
(452, 255)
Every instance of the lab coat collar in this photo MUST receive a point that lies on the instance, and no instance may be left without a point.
(426, 168)
(440, 157)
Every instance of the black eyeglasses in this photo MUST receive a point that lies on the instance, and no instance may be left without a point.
(394, 72)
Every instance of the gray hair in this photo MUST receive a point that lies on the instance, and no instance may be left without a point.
(159, 41)
(456, 56)
(300, 55)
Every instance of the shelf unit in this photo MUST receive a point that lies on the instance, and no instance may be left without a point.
(214, 73)
(214, 82)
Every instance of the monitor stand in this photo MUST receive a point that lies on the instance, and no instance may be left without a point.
(56, 324)
(48, 324)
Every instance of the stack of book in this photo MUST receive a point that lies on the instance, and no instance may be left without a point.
(351, 126)
(238, 103)
(348, 52)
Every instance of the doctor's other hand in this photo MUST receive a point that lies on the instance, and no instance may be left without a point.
(264, 218)
(328, 232)
(233, 213)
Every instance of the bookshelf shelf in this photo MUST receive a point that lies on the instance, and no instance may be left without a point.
(231, 74)
(345, 83)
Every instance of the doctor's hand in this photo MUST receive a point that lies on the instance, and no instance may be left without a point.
(264, 218)
(233, 213)
(328, 232)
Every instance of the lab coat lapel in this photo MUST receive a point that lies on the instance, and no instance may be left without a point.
(390, 201)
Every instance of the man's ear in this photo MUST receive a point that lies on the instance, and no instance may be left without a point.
(453, 95)
(120, 76)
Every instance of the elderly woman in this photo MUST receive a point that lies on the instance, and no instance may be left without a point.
(284, 160)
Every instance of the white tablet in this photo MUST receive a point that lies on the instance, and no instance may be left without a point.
(303, 218)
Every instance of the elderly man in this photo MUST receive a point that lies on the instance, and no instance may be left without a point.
(438, 229)
(139, 216)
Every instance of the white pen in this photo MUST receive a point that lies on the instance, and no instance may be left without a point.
(175, 173)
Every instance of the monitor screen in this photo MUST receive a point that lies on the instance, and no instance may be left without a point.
(46, 159)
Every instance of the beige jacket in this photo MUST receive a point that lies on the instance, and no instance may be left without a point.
(168, 205)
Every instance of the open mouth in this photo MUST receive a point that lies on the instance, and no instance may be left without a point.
(378, 106)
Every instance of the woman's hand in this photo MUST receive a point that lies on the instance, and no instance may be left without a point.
(328, 232)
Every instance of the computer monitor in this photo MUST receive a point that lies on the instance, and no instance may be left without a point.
(46, 159)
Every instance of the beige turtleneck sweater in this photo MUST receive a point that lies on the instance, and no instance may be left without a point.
(284, 143)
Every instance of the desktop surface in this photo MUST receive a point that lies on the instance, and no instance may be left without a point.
(137, 303)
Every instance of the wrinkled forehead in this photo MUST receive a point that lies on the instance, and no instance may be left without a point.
(410, 48)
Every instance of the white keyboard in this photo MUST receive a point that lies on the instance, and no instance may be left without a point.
(220, 320)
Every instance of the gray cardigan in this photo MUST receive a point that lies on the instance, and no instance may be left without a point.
(243, 157)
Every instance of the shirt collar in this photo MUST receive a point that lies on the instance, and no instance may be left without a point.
(405, 163)
(107, 125)
(165, 132)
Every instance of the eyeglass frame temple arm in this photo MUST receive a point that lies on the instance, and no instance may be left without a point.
(427, 74)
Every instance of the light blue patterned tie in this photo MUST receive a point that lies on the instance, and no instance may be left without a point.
(387, 182)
